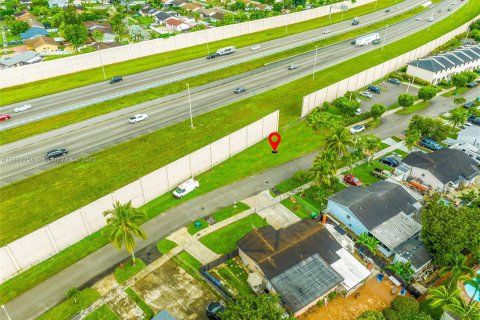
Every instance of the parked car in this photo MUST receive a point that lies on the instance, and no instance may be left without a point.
(380, 173)
(212, 55)
(116, 79)
(138, 117)
(4, 117)
(352, 180)
(418, 18)
(358, 112)
(394, 81)
(356, 129)
(376, 41)
(469, 105)
(389, 161)
(374, 89)
(473, 119)
(255, 47)
(472, 84)
(23, 108)
(214, 309)
(239, 90)
(185, 188)
(292, 67)
(430, 144)
(326, 31)
(366, 94)
(55, 153)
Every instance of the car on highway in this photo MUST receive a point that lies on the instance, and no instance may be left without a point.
(353, 41)
(376, 41)
(255, 47)
(116, 79)
(387, 11)
(292, 67)
(472, 84)
(366, 94)
(185, 188)
(326, 31)
(4, 117)
(214, 309)
(212, 55)
(56, 153)
(374, 89)
(418, 18)
(389, 161)
(23, 108)
(449, 9)
(355, 21)
(138, 117)
(430, 19)
(356, 129)
(469, 105)
(240, 90)
(352, 180)
(394, 81)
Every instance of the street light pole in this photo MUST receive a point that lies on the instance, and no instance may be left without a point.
(5, 310)
(208, 49)
(315, 63)
(330, 13)
(190, 104)
(101, 59)
(385, 37)
(410, 83)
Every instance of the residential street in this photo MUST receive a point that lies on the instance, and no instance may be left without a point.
(52, 291)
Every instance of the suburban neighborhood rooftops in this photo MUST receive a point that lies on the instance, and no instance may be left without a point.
(447, 165)
(174, 21)
(448, 60)
(191, 6)
(350, 269)
(415, 251)
(40, 41)
(24, 16)
(161, 16)
(396, 230)
(33, 32)
(34, 23)
(103, 27)
(306, 281)
(217, 15)
(17, 58)
(376, 203)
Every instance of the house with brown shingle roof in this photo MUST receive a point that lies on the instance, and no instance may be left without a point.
(191, 7)
(104, 27)
(42, 44)
(24, 16)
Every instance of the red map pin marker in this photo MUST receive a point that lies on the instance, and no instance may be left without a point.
(274, 140)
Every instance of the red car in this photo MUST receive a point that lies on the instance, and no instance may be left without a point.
(4, 117)
(351, 179)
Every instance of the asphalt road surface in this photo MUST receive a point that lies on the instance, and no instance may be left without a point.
(26, 157)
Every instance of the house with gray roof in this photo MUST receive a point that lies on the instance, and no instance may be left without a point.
(384, 210)
(441, 67)
(443, 170)
(160, 17)
(19, 59)
(302, 263)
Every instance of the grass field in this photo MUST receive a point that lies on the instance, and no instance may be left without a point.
(16, 199)
(414, 108)
(297, 208)
(68, 308)
(363, 171)
(128, 270)
(234, 276)
(102, 313)
(192, 229)
(164, 246)
(230, 211)
(188, 263)
(83, 78)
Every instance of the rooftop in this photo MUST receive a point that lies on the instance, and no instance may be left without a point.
(21, 57)
(396, 230)
(415, 251)
(448, 60)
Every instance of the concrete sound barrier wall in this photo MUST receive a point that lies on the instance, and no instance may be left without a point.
(58, 235)
(366, 77)
(48, 69)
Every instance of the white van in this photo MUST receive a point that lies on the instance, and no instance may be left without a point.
(185, 188)
(226, 50)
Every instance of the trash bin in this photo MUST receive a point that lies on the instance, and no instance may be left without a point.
(313, 215)
(198, 224)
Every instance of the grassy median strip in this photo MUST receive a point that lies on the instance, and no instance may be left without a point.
(58, 121)
(120, 165)
(53, 85)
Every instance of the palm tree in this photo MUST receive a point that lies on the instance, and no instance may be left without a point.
(458, 116)
(403, 269)
(123, 222)
(371, 144)
(323, 172)
(457, 267)
(339, 140)
(475, 283)
(441, 296)
(460, 100)
(466, 312)
(411, 138)
(369, 242)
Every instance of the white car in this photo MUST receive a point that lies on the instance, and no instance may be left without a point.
(185, 188)
(137, 118)
(358, 112)
(430, 19)
(326, 31)
(366, 94)
(292, 67)
(23, 108)
(418, 18)
(255, 47)
(356, 129)
(358, 100)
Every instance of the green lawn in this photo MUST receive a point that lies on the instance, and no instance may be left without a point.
(83, 78)
(83, 184)
(383, 145)
(128, 270)
(102, 313)
(414, 108)
(315, 198)
(298, 208)
(289, 185)
(455, 92)
(224, 240)
(188, 263)
(363, 171)
(234, 277)
(146, 21)
(230, 211)
(61, 120)
(401, 153)
(396, 139)
(68, 308)
(142, 304)
(164, 246)
(192, 229)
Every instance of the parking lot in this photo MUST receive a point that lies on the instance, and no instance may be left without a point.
(388, 96)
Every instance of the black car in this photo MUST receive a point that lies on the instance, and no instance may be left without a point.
(212, 55)
(56, 153)
(213, 310)
(469, 105)
(376, 41)
(353, 41)
(240, 90)
(473, 119)
(472, 84)
(387, 11)
(394, 81)
(389, 161)
(116, 79)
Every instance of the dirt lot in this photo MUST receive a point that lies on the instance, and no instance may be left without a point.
(170, 287)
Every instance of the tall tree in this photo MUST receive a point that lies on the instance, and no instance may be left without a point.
(75, 34)
(324, 169)
(432, 128)
(457, 267)
(466, 312)
(339, 140)
(251, 307)
(73, 293)
(371, 144)
(406, 100)
(427, 93)
(377, 110)
(403, 308)
(458, 117)
(475, 284)
(459, 80)
(411, 138)
(441, 296)
(319, 119)
(123, 223)
(459, 101)
(371, 315)
(403, 269)
(345, 106)
(98, 35)
(116, 21)
(17, 27)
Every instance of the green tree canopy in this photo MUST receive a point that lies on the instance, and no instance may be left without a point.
(345, 106)
(17, 27)
(428, 127)
(459, 80)
(458, 117)
(406, 100)
(250, 307)
(459, 100)
(377, 110)
(403, 308)
(371, 315)
(427, 93)
(319, 119)
(339, 140)
(75, 34)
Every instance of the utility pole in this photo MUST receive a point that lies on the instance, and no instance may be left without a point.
(330, 13)
(190, 104)
(410, 83)
(315, 63)
(5, 310)
(101, 59)
(385, 37)
(208, 49)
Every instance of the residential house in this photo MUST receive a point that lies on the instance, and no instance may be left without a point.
(176, 24)
(217, 16)
(302, 263)
(42, 44)
(178, 3)
(385, 210)
(160, 17)
(469, 149)
(20, 59)
(442, 170)
(104, 45)
(259, 6)
(26, 3)
(34, 23)
(163, 315)
(34, 32)
(103, 27)
(24, 16)
(148, 11)
(205, 13)
(58, 3)
(470, 135)
(167, 3)
(442, 66)
(191, 7)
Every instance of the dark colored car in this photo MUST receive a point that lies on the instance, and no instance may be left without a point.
(56, 153)
(353, 41)
(376, 41)
(473, 119)
(430, 144)
(212, 55)
(469, 105)
(374, 89)
(389, 161)
(4, 117)
(213, 310)
(472, 84)
(116, 79)
(387, 11)
(352, 180)
(240, 90)
(394, 81)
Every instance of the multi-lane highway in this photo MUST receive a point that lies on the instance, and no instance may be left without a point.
(24, 158)
(64, 101)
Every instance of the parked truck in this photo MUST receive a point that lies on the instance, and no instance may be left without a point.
(369, 38)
